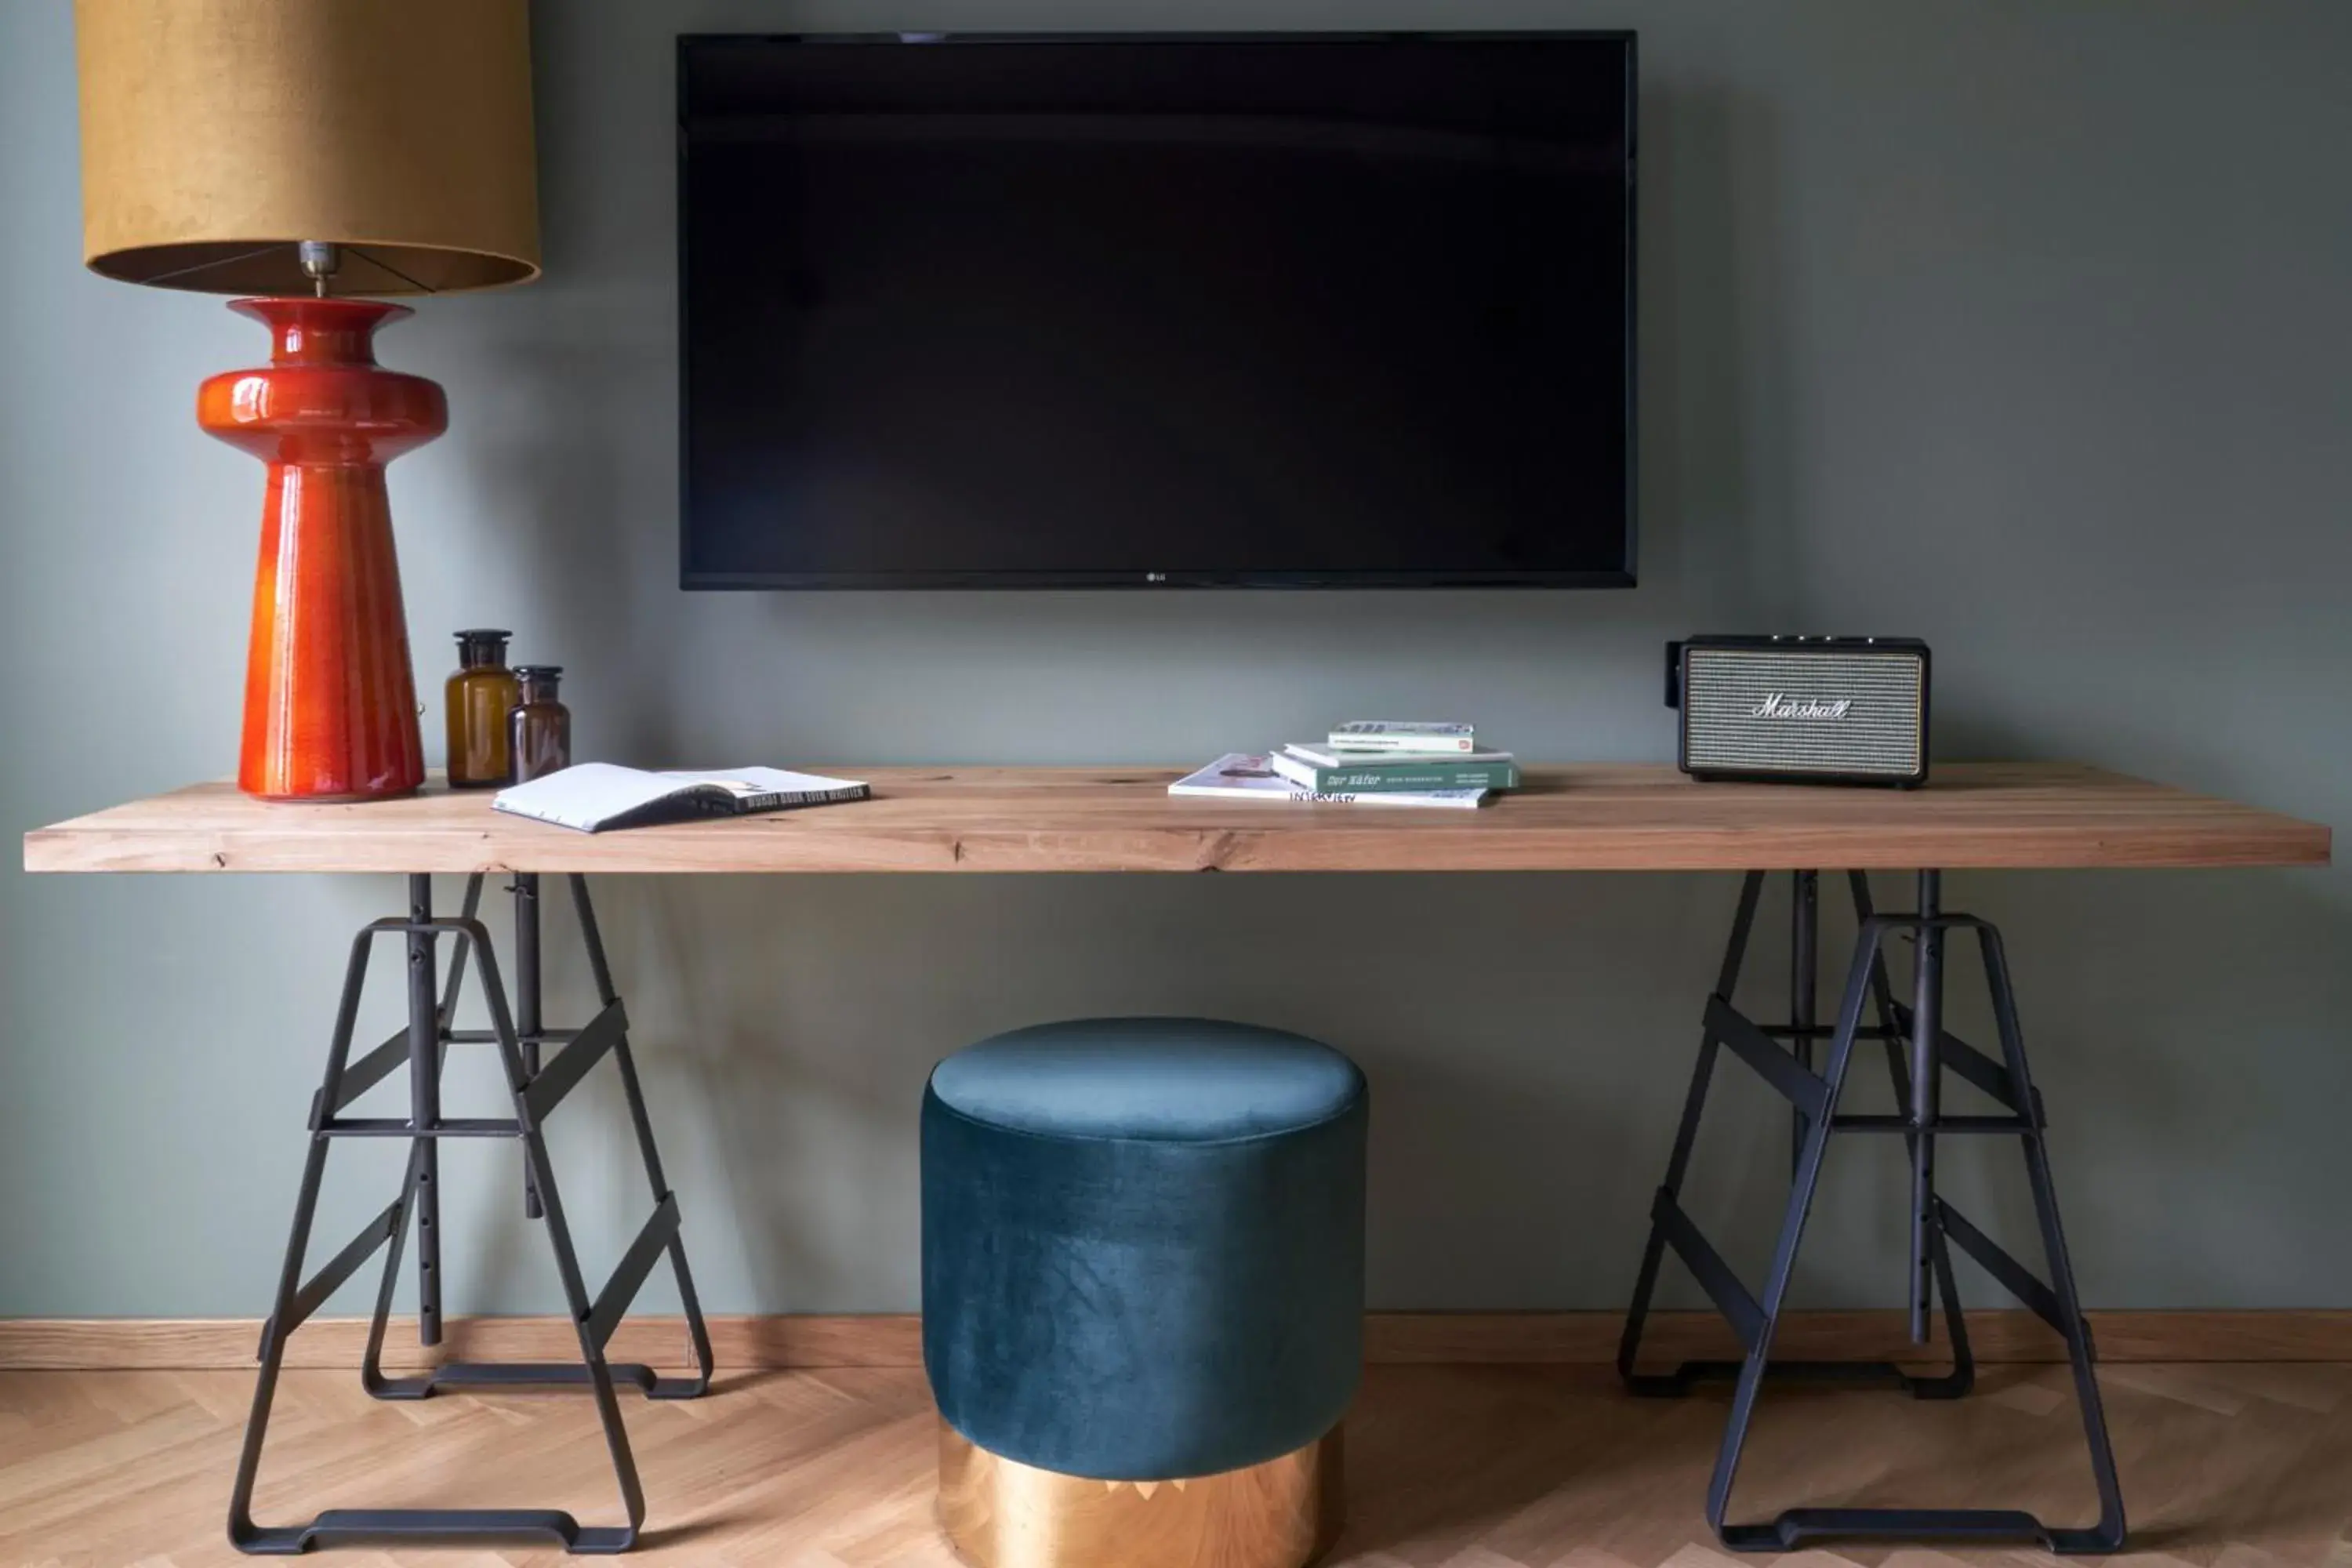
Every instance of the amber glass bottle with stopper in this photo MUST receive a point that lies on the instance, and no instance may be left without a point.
(478, 700)
(539, 730)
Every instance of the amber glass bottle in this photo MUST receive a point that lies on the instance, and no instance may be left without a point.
(477, 701)
(539, 730)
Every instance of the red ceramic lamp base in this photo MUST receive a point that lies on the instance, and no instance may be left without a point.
(330, 698)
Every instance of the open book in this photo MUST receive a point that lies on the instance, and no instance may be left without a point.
(594, 796)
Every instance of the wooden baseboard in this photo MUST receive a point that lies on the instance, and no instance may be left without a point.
(2010, 1335)
(755, 1343)
(194, 1343)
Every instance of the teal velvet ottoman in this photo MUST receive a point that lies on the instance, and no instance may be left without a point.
(1143, 1291)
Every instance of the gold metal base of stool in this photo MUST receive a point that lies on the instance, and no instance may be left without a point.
(1001, 1513)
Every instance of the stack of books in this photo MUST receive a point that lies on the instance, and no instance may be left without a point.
(1368, 761)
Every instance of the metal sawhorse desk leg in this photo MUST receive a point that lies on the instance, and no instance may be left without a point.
(536, 1090)
(1918, 1051)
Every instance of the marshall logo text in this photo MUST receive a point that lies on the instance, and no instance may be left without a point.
(1776, 705)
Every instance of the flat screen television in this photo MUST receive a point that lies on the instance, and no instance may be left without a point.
(1264, 309)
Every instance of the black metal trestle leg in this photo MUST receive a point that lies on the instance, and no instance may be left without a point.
(528, 994)
(535, 1089)
(1919, 1050)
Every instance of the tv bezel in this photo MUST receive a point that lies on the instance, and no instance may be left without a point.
(1624, 577)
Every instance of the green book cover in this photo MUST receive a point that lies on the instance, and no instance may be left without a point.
(1372, 777)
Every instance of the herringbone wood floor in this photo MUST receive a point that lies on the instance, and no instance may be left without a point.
(1450, 1467)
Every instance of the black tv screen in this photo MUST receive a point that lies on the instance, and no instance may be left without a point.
(1272, 310)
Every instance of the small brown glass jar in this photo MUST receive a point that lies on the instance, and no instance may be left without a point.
(477, 701)
(539, 730)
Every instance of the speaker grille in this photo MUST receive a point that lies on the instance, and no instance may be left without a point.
(1726, 724)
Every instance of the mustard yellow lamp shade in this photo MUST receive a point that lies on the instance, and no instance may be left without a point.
(217, 135)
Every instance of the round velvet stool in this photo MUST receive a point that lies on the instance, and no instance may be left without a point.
(1143, 1292)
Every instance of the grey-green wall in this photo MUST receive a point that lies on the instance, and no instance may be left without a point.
(2023, 327)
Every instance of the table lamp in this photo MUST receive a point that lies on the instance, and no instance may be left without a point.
(305, 151)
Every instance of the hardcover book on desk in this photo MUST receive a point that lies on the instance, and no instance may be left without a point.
(1248, 775)
(1327, 769)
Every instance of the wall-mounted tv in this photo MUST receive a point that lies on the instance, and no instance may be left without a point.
(1265, 310)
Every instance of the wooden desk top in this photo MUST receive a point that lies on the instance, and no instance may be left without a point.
(1598, 818)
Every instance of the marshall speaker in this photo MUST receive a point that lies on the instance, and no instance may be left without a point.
(1801, 708)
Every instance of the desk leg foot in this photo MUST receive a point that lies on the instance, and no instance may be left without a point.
(1919, 1050)
(535, 1092)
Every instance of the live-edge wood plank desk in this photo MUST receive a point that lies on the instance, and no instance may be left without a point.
(1590, 818)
